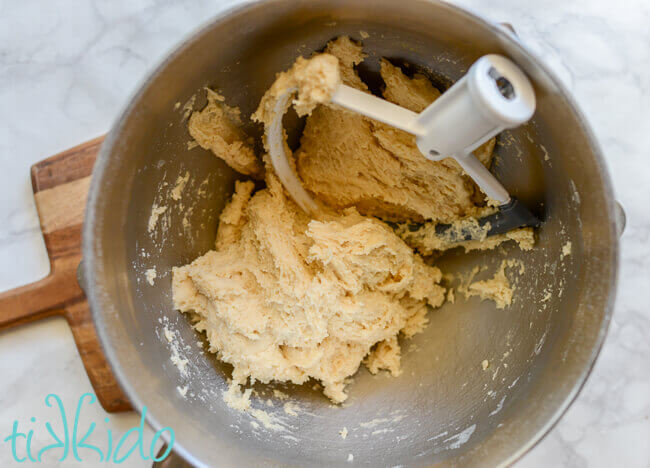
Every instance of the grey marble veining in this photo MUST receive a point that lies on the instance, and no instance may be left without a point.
(66, 68)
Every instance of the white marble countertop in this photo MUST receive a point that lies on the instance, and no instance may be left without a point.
(66, 68)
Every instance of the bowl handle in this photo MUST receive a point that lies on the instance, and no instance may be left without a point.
(621, 219)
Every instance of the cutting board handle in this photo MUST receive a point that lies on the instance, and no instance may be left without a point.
(35, 301)
(60, 186)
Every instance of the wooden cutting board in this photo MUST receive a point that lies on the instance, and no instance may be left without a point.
(60, 185)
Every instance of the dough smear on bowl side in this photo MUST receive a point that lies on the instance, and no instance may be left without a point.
(286, 297)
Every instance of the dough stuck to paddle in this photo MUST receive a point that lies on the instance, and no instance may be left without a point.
(284, 297)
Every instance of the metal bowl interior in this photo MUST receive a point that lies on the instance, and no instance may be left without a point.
(444, 407)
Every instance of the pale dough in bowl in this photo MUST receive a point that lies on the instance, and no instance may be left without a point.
(287, 297)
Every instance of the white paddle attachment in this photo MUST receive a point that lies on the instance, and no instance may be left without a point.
(493, 96)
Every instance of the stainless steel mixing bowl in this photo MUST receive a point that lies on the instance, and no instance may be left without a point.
(444, 407)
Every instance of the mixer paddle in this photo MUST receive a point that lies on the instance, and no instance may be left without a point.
(493, 96)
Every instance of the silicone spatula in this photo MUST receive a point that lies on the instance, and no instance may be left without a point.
(493, 96)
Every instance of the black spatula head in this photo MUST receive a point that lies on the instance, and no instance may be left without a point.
(512, 215)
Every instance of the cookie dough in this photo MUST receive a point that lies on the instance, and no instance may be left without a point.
(217, 128)
(426, 241)
(284, 297)
(497, 288)
(346, 159)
